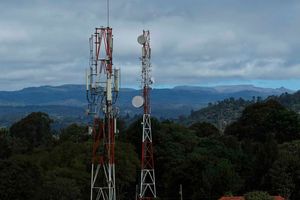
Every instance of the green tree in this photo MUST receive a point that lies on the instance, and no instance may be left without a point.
(171, 142)
(5, 148)
(205, 166)
(265, 119)
(285, 173)
(260, 157)
(219, 177)
(258, 195)
(127, 164)
(74, 133)
(19, 180)
(282, 179)
(204, 129)
(35, 128)
(60, 188)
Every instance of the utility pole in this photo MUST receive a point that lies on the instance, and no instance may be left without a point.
(180, 192)
(136, 192)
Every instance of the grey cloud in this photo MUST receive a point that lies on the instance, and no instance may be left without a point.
(195, 41)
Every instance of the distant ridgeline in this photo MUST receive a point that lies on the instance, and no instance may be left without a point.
(62, 115)
(66, 103)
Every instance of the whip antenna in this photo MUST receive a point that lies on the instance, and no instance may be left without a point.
(107, 4)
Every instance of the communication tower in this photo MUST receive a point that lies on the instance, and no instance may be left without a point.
(147, 182)
(102, 88)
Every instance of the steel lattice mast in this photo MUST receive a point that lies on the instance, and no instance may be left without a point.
(147, 184)
(102, 90)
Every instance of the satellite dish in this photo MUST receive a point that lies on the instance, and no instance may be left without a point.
(141, 39)
(152, 80)
(138, 101)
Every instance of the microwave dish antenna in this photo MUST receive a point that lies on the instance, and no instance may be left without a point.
(141, 40)
(138, 101)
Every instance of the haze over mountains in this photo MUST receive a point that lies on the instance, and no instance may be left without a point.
(69, 101)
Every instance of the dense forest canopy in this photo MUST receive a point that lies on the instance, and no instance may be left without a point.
(260, 151)
(222, 113)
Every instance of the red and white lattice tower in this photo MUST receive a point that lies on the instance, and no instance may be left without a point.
(147, 184)
(102, 83)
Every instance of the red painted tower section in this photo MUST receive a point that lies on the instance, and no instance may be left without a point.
(102, 91)
(147, 182)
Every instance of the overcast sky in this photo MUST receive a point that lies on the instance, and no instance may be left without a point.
(194, 42)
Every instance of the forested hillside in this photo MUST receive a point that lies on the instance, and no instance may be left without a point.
(291, 101)
(220, 113)
(227, 111)
(258, 152)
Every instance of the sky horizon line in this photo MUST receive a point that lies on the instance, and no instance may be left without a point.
(194, 42)
(159, 87)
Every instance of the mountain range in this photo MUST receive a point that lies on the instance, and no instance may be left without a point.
(69, 101)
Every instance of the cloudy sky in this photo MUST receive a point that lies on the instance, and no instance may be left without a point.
(194, 42)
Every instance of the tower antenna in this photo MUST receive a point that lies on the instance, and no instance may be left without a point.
(107, 4)
(102, 88)
(147, 181)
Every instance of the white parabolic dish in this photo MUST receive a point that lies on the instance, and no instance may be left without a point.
(138, 101)
(141, 39)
